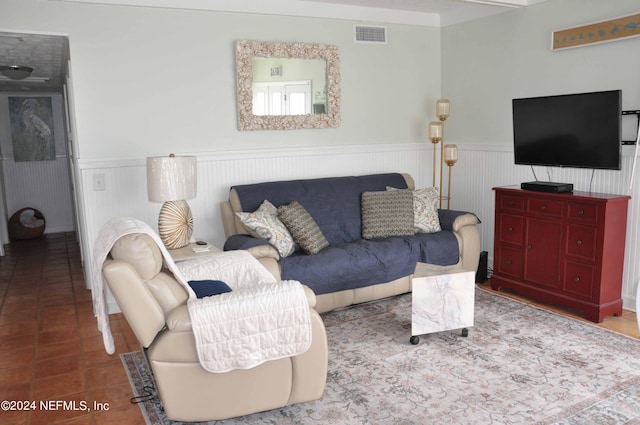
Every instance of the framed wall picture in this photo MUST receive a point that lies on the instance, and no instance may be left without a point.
(31, 121)
(597, 32)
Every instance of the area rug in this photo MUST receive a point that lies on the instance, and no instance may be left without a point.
(518, 365)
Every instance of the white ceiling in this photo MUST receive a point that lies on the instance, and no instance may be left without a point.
(47, 54)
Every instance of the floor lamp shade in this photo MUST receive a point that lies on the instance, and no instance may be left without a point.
(172, 180)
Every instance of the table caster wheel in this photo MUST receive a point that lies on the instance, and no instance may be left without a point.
(414, 340)
(465, 332)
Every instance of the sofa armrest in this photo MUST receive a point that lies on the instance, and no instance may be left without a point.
(262, 250)
(244, 241)
(464, 225)
(455, 220)
(257, 247)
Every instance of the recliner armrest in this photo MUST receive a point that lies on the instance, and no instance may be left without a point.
(264, 251)
(178, 320)
(455, 220)
(248, 242)
(464, 220)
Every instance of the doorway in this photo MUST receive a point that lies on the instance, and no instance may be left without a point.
(45, 184)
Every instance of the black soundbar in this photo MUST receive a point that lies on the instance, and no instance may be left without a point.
(547, 187)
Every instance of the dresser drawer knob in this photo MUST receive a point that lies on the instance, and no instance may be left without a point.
(581, 212)
(509, 262)
(543, 207)
(510, 229)
(578, 242)
(529, 247)
(576, 279)
(511, 203)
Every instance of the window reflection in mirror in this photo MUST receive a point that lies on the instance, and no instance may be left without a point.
(283, 86)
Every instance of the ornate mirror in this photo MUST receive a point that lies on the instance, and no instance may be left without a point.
(287, 86)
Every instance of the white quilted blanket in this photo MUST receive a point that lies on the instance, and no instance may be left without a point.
(260, 320)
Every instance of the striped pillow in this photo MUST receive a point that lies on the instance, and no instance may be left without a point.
(303, 228)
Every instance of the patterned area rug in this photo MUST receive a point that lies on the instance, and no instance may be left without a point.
(519, 365)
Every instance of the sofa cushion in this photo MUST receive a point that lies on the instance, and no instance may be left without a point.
(387, 213)
(333, 202)
(366, 262)
(302, 227)
(263, 223)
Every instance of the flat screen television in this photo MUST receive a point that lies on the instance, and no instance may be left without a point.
(581, 130)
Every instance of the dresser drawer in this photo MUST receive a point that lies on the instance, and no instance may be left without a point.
(511, 227)
(545, 207)
(587, 213)
(509, 261)
(582, 241)
(513, 203)
(578, 279)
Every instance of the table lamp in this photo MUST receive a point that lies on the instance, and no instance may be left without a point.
(172, 179)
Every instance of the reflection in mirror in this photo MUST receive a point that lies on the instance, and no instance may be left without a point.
(283, 86)
(287, 85)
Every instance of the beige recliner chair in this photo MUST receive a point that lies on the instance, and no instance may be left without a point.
(154, 304)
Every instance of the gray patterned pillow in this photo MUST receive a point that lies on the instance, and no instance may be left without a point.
(425, 209)
(387, 214)
(303, 228)
(263, 223)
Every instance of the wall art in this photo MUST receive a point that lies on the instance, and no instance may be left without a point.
(599, 32)
(31, 121)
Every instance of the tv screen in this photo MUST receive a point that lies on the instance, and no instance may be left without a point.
(581, 130)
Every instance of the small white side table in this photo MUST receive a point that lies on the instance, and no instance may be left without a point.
(442, 299)
(187, 252)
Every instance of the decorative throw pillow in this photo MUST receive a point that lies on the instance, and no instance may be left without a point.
(425, 209)
(207, 288)
(263, 223)
(303, 228)
(387, 214)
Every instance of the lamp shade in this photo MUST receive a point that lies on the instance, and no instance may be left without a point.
(171, 178)
(442, 109)
(435, 130)
(450, 154)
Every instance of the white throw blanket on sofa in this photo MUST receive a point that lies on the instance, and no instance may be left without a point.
(260, 320)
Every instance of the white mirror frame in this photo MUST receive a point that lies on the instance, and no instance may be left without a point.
(247, 50)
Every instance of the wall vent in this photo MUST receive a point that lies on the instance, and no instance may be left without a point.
(370, 34)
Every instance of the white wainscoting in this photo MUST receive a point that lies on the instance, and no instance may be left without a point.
(479, 169)
(43, 185)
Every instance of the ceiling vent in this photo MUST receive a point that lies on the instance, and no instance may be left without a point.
(370, 34)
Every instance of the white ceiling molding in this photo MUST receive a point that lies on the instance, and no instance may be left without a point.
(506, 3)
(287, 8)
(431, 13)
(503, 3)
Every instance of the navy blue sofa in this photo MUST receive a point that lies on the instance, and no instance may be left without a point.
(351, 269)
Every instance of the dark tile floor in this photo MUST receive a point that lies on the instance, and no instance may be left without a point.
(51, 349)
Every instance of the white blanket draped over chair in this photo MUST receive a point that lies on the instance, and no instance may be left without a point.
(260, 320)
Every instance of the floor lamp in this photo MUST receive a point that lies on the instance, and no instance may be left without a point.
(436, 135)
(450, 157)
(172, 179)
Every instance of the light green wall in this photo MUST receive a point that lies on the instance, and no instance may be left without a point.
(152, 81)
(488, 62)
